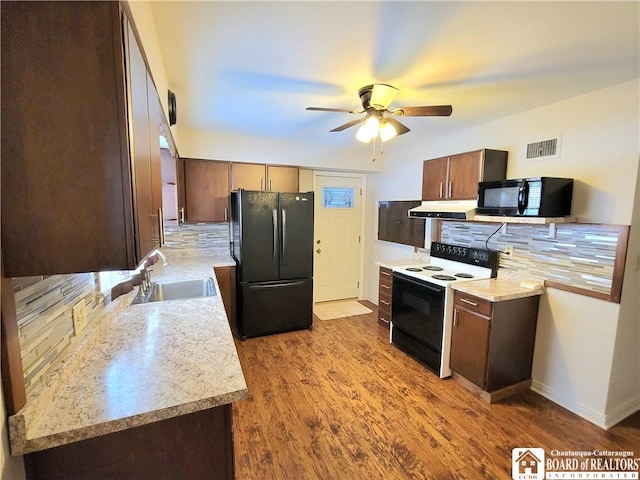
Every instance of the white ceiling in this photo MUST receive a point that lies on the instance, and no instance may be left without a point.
(251, 68)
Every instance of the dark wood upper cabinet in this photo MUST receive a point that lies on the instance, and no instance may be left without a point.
(72, 124)
(206, 190)
(456, 177)
(250, 176)
(269, 178)
(394, 224)
(282, 179)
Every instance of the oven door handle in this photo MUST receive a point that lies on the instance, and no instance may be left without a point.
(433, 288)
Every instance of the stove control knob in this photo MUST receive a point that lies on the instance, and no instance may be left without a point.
(449, 249)
(464, 252)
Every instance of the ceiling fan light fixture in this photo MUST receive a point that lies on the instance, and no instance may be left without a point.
(382, 95)
(369, 130)
(387, 131)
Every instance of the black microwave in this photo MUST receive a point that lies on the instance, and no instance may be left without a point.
(526, 197)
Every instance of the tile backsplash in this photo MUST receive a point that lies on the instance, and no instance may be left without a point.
(198, 236)
(45, 322)
(44, 303)
(580, 255)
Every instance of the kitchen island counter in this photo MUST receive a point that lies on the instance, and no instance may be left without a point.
(139, 364)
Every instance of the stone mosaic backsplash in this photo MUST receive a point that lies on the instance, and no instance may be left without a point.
(580, 255)
(198, 236)
(45, 322)
(44, 303)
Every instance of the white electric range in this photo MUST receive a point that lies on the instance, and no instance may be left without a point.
(422, 301)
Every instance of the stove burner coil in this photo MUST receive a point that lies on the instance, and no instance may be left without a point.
(433, 268)
(464, 275)
(413, 269)
(444, 277)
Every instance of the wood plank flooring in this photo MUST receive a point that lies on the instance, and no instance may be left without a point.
(340, 402)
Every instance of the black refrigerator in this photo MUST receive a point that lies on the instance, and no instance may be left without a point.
(272, 244)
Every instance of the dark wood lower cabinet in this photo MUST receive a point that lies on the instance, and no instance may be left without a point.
(385, 287)
(194, 446)
(492, 343)
(227, 283)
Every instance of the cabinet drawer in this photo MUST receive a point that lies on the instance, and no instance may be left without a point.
(384, 317)
(386, 277)
(384, 299)
(472, 303)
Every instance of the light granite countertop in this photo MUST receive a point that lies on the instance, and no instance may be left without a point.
(140, 364)
(497, 289)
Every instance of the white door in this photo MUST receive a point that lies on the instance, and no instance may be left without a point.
(338, 220)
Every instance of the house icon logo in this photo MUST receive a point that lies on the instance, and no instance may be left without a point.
(527, 463)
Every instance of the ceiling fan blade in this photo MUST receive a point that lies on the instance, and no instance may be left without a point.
(382, 95)
(400, 128)
(432, 111)
(349, 124)
(322, 109)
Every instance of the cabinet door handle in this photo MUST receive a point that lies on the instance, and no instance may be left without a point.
(270, 185)
(225, 214)
(181, 215)
(387, 274)
(385, 303)
(441, 184)
(161, 226)
(469, 302)
(450, 189)
(262, 184)
(384, 319)
(455, 317)
(386, 286)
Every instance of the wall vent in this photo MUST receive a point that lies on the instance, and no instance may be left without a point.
(544, 149)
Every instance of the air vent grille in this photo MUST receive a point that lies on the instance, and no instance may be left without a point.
(544, 148)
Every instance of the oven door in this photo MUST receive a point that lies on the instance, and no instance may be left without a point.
(418, 310)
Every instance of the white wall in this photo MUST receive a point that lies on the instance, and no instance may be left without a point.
(579, 338)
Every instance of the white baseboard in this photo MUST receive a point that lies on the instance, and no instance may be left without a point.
(623, 411)
(604, 420)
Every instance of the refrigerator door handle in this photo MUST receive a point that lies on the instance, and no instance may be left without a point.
(274, 219)
(284, 235)
(292, 283)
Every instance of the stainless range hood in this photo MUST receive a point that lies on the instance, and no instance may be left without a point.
(454, 209)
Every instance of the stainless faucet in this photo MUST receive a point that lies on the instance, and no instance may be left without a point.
(162, 256)
(146, 280)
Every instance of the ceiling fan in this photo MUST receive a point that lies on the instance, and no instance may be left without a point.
(377, 119)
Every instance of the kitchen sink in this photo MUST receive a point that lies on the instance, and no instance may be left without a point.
(179, 290)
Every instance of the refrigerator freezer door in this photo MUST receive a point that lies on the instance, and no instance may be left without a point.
(259, 225)
(275, 307)
(296, 234)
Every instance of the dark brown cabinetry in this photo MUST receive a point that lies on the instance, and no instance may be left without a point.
(144, 127)
(226, 277)
(197, 445)
(456, 177)
(272, 178)
(394, 224)
(492, 342)
(282, 179)
(206, 191)
(69, 137)
(385, 287)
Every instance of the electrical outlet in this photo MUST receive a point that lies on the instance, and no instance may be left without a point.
(508, 250)
(79, 313)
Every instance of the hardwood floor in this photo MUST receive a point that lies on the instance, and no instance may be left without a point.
(340, 402)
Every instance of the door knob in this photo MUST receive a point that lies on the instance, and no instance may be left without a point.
(318, 251)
